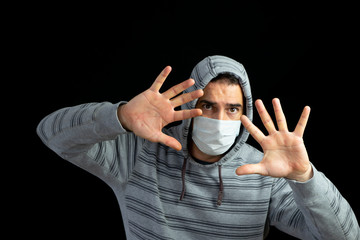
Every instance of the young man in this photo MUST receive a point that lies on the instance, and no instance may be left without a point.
(200, 180)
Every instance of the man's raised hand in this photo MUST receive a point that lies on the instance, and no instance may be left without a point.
(284, 152)
(147, 113)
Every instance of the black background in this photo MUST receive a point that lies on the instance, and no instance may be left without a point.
(68, 54)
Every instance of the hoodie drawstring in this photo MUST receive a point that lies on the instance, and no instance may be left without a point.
(221, 189)
(183, 171)
(221, 186)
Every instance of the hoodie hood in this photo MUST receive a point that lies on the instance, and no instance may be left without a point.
(203, 73)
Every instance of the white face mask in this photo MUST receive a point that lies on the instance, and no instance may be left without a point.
(213, 136)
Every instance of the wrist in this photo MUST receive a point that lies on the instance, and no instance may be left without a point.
(122, 117)
(306, 176)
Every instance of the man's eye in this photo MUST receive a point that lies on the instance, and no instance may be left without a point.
(207, 106)
(233, 110)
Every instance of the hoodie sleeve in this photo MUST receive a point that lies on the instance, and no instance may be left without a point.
(312, 210)
(91, 137)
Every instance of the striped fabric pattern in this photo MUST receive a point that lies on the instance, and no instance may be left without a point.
(151, 176)
(146, 178)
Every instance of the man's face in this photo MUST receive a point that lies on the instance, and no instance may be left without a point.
(222, 101)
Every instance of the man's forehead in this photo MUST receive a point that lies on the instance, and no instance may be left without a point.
(223, 88)
(218, 92)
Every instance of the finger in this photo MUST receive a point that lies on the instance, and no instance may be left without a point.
(170, 142)
(187, 97)
(279, 114)
(300, 127)
(253, 130)
(252, 169)
(265, 117)
(160, 79)
(175, 90)
(186, 114)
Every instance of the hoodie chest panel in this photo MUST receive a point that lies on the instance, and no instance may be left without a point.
(155, 211)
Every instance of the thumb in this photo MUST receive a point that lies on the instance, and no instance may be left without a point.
(170, 142)
(251, 169)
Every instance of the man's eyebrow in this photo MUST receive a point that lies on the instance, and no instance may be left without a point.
(228, 104)
(234, 105)
(207, 102)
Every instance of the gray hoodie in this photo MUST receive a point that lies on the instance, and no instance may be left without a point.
(166, 194)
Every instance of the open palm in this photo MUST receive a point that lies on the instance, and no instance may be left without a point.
(147, 113)
(285, 154)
